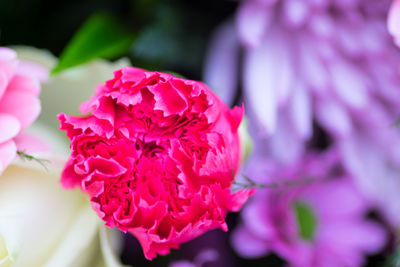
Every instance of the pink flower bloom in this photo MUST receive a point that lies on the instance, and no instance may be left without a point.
(19, 102)
(394, 21)
(157, 155)
(317, 223)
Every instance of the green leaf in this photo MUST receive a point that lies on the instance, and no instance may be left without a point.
(101, 36)
(306, 221)
(397, 122)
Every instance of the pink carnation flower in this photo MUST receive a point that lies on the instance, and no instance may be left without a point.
(19, 102)
(317, 219)
(157, 155)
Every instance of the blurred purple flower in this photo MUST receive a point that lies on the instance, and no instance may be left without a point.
(329, 62)
(394, 21)
(207, 255)
(309, 58)
(309, 224)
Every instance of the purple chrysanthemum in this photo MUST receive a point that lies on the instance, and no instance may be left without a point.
(315, 218)
(318, 62)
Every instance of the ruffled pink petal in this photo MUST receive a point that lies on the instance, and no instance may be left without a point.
(69, 178)
(157, 155)
(168, 99)
(236, 116)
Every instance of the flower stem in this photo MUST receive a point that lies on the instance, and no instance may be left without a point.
(25, 156)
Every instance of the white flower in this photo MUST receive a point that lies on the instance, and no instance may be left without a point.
(64, 92)
(42, 224)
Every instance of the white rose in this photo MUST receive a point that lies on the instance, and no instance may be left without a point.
(42, 224)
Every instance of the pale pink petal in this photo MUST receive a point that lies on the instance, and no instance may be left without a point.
(31, 144)
(221, 64)
(7, 54)
(33, 70)
(9, 127)
(3, 83)
(8, 152)
(25, 107)
(8, 62)
(24, 83)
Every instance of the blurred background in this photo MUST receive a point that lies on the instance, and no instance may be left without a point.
(170, 35)
(320, 84)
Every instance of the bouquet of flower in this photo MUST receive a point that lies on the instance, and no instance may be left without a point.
(290, 146)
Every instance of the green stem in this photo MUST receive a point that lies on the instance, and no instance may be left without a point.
(25, 156)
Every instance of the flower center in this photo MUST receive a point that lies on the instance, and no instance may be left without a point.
(306, 220)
